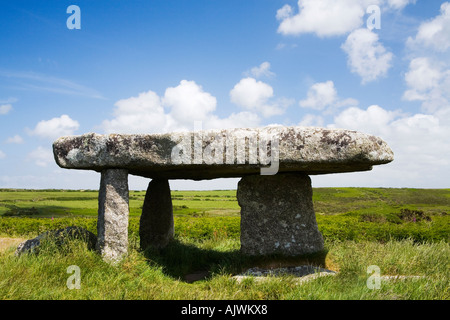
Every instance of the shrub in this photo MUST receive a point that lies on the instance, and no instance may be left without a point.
(16, 211)
(413, 215)
(373, 217)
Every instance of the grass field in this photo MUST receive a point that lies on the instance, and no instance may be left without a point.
(327, 201)
(402, 231)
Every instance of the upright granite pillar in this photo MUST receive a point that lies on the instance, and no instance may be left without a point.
(156, 227)
(277, 215)
(113, 211)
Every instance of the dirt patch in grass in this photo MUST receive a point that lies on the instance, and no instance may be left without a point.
(224, 212)
(6, 243)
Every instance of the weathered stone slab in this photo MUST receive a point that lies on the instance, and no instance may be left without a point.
(277, 215)
(113, 211)
(224, 153)
(156, 226)
(301, 274)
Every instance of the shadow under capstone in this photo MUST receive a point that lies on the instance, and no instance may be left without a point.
(190, 263)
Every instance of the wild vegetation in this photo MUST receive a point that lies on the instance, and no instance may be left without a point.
(402, 231)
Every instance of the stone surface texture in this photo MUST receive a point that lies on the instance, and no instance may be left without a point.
(277, 215)
(113, 211)
(224, 153)
(298, 271)
(300, 274)
(60, 237)
(156, 226)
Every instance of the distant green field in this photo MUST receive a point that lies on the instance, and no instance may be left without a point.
(63, 203)
(342, 213)
(327, 201)
(380, 200)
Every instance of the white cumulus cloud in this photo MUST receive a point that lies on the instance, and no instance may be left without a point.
(188, 102)
(420, 143)
(399, 4)
(177, 110)
(2, 155)
(428, 76)
(262, 70)
(323, 17)
(374, 120)
(323, 95)
(311, 120)
(141, 114)
(428, 81)
(5, 109)
(434, 34)
(250, 93)
(367, 57)
(421, 78)
(56, 127)
(244, 119)
(256, 96)
(41, 156)
(320, 95)
(327, 18)
(15, 139)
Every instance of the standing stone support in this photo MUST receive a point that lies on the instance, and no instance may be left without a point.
(277, 215)
(156, 227)
(113, 211)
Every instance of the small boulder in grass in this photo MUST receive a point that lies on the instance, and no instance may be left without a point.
(60, 236)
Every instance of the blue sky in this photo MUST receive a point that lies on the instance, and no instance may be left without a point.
(158, 66)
